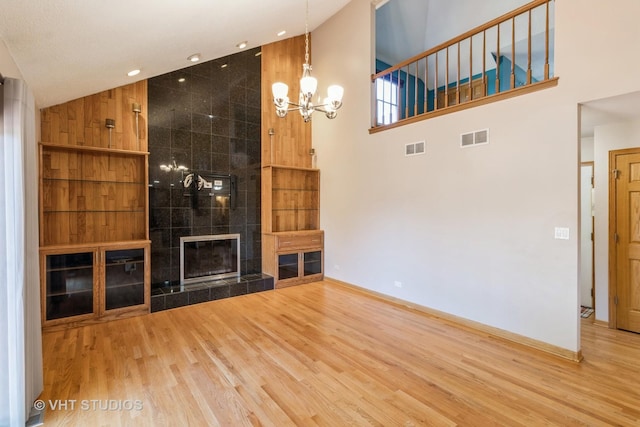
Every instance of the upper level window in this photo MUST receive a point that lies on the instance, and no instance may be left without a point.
(387, 101)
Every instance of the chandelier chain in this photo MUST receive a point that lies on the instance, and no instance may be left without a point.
(306, 35)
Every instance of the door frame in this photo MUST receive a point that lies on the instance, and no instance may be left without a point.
(593, 233)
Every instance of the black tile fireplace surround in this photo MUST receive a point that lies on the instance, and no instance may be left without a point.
(165, 298)
(205, 120)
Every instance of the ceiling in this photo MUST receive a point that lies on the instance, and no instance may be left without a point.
(615, 109)
(66, 49)
(427, 23)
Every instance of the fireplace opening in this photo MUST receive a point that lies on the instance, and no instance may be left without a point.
(209, 257)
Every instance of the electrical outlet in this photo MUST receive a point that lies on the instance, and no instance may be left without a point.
(561, 233)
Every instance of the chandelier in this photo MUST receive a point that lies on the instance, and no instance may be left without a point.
(308, 86)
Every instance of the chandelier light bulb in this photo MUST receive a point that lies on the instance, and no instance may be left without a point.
(335, 93)
(279, 90)
(308, 85)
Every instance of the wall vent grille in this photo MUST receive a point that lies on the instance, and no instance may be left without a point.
(478, 137)
(414, 148)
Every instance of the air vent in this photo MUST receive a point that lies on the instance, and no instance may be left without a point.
(414, 148)
(477, 137)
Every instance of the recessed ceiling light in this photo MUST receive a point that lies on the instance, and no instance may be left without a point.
(133, 73)
(194, 58)
(282, 33)
(242, 45)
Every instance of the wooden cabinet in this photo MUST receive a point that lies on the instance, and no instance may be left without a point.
(293, 258)
(292, 243)
(94, 240)
(89, 283)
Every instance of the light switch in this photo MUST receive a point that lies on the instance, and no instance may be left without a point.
(561, 233)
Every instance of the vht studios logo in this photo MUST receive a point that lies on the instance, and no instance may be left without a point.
(88, 405)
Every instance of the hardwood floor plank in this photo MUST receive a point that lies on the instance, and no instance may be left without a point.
(322, 354)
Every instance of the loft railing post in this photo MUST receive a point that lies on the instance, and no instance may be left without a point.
(406, 94)
(546, 43)
(484, 63)
(374, 100)
(470, 68)
(415, 101)
(426, 84)
(435, 85)
(458, 77)
(398, 95)
(498, 58)
(446, 79)
(529, 51)
(513, 53)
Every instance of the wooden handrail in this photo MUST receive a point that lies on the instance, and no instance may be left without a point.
(468, 34)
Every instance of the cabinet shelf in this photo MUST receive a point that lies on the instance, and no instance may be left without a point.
(89, 149)
(120, 263)
(125, 285)
(290, 199)
(95, 211)
(293, 209)
(80, 267)
(295, 189)
(93, 181)
(69, 293)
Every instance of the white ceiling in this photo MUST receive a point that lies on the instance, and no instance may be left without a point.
(427, 23)
(66, 49)
(615, 109)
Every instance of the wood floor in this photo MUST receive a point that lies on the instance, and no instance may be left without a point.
(323, 354)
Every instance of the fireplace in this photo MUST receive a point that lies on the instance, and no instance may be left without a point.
(209, 257)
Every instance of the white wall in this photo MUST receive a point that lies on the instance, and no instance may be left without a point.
(469, 232)
(586, 149)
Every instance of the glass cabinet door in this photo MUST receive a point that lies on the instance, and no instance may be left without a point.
(69, 285)
(124, 278)
(312, 263)
(287, 266)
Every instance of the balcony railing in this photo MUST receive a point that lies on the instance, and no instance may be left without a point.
(507, 56)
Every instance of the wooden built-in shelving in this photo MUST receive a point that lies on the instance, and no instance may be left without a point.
(292, 242)
(93, 204)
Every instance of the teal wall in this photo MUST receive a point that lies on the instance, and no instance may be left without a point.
(408, 99)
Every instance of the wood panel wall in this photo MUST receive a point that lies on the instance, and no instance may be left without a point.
(289, 146)
(93, 185)
(82, 121)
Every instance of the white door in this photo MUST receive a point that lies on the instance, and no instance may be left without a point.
(586, 230)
